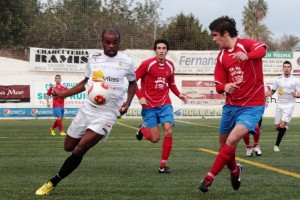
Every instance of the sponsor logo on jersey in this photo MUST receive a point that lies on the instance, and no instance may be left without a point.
(111, 79)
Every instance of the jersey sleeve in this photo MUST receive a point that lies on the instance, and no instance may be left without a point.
(172, 84)
(49, 91)
(275, 85)
(220, 76)
(131, 74)
(139, 73)
(255, 49)
(65, 88)
(297, 86)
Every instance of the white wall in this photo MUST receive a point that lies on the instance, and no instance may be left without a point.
(16, 72)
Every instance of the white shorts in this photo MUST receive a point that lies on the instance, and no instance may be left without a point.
(284, 112)
(90, 117)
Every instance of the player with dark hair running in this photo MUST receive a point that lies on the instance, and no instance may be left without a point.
(157, 78)
(238, 74)
(288, 88)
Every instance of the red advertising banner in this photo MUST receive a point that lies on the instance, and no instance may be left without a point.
(14, 93)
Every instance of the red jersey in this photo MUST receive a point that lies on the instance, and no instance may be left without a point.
(58, 102)
(248, 74)
(156, 80)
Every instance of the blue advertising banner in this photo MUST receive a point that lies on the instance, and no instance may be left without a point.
(34, 112)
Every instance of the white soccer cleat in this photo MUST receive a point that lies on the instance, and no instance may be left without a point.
(257, 150)
(276, 148)
(249, 152)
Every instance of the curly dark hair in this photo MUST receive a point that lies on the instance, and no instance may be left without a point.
(161, 40)
(223, 24)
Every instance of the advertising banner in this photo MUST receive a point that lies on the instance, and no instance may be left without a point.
(40, 91)
(58, 60)
(34, 112)
(186, 62)
(202, 93)
(14, 93)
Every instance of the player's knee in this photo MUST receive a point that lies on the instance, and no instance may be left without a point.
(232, 141)
(79, 151)
(168, 133)
(68, 148)
(155, 139)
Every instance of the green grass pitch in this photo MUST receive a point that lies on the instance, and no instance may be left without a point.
(122, 168)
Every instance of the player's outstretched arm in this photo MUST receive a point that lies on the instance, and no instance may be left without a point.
(74, 90)
(270, 93)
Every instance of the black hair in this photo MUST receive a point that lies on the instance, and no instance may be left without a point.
(111, 31)
(161, 40)
(287, 62)
(58, 76)
(223, 24)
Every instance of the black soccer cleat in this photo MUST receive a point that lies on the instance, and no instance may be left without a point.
(236, 180)
(139, 134)
(164, 169)
(204, 185)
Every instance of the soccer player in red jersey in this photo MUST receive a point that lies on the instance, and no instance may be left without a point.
(58, 105)
(239, 74)
(157, 78)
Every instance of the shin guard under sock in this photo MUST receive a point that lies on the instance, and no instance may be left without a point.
(70, 164)
(280, 134)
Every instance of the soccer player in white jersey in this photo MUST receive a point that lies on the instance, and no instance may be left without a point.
(287, 87)
(94, 122)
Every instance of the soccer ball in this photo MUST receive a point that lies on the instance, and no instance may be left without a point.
(99, 93)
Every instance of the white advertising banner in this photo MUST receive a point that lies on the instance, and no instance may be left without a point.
(203, 101)
(58, 60)
(40, 91)
(186, 62)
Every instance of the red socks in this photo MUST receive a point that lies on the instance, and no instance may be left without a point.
(256, 136)
(54, 125)
(225, 157)
(166, 150)
(146, 133)
(247, 140)
(59, 124)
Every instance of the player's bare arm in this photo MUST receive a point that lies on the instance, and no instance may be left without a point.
(47, 100)
(143, 101)
(240, 56)
(130, 94)
(74, 90)
(270, 93)
(183, 97)
(295, 94)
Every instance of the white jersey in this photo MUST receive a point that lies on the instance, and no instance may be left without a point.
(284, 87)
(111, 70)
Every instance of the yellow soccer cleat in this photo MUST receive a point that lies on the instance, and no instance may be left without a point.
(45, 189)
(52, 131)
(63, 133)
